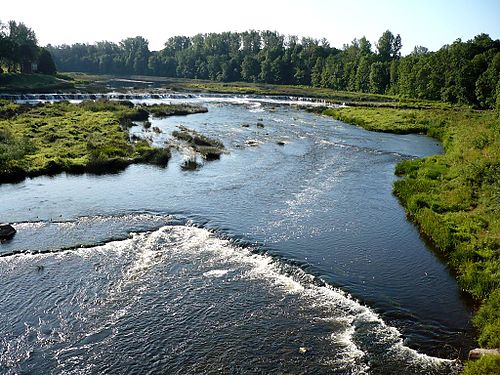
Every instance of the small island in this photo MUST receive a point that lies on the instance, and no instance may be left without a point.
(88, 137)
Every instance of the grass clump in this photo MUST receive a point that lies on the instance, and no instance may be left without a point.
(152, 155)
(208, 148)
(454, 198)
(165, 110)
(190, 164)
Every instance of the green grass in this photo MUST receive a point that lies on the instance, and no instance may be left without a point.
(487, 365)
(50, 138)
(32, 83)
(454, 198)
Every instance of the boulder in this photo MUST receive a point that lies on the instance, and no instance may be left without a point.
(478, 353)
(6, 231)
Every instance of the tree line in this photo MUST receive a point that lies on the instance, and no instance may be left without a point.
(461, 72)
(19, 50)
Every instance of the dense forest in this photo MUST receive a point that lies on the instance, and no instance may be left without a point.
(19, 50)
(463, 72)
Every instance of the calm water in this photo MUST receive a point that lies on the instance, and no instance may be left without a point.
(293, 258)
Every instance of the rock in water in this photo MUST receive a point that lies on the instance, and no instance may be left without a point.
(6, 231)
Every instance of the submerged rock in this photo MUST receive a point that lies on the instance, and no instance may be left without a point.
(252, 142)
(6, 231)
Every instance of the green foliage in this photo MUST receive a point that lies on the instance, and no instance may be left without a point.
(12, 150)
(498, 98)
(486, 365)
(401, 121)
(487, 320)
(434, 226)
(45, 63)
(149, 154)
(9, 109)
(19, 49)
(379, 78)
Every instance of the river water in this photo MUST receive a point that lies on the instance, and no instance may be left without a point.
(291, 258)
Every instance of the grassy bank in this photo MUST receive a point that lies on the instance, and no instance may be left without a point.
(34, 83)
(88, 137)
(454, 198)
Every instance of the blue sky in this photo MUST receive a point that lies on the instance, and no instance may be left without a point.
(430, 23)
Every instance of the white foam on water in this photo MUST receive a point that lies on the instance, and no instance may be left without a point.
(30, 225)
(216, 273)
(215, 258)
(300, 284)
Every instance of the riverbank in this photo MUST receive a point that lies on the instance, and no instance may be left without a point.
(454, 199)
(76, 138)
(34, 83)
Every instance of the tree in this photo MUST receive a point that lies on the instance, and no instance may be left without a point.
(389, 46)
(24, 45)
(385, 46)
(135, 54)
(365, 47)
(420, 50)
(363, 74)
(378, 78)
(45, 63)
(250, 69)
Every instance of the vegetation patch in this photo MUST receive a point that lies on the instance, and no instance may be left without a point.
(165, 110)
(33, 83)
(190, 164)
(454, 198)
(208, 148)
(91, 136)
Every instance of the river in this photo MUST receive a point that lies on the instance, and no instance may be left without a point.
(277, 258)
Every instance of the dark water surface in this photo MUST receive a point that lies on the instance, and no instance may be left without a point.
(293, 258)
